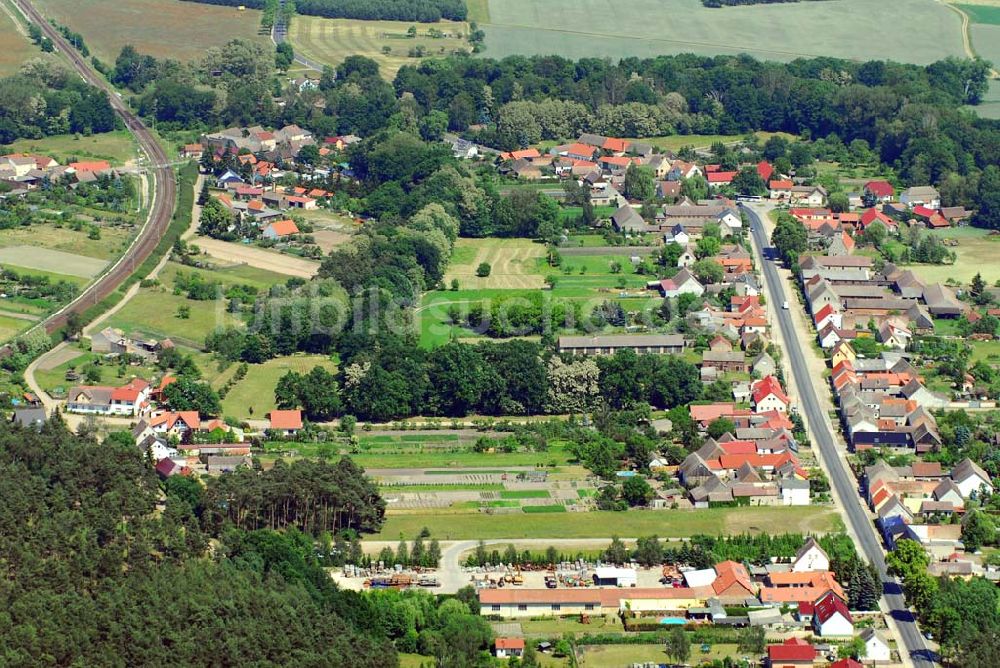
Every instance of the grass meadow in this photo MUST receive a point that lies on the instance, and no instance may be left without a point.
(154, 310)
(977, 252)
(602, 524)
(253, 397)
(852, 29)
(116, 147)
(160, 28)
(987, 14)
(329, 41)
(13, 35)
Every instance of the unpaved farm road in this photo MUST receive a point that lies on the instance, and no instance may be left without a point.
(257, 257)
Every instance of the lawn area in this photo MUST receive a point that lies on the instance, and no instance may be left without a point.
(851, 29)
(16, 46)
(160, 28)
(986, 42)
(329, 41)
(253, 396)
(113, 242)
(116, 147)
(602, 524)
(985, 350)
(10, 327)
(976, 250)
(513, 263)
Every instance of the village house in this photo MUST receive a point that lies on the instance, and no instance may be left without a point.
(128, 399)
(768, 395)
(927, 196)
(683, 282)
(505, 648)
(285, 422)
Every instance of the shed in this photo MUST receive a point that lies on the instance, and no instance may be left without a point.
(615, 577)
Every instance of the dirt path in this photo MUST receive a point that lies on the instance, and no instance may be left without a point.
(970, 51)
(257, 257)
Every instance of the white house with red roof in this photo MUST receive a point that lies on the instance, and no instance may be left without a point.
(683, 282)
(831, 618)
(827, 315)
(781, 188)
(872, 215)
(767, 395)
(287, 422)
(504, 648)
(129, 399)
(879, 190)
(719, 179)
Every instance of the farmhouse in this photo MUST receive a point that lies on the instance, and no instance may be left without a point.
(655, 344)
(286, 422)
(683, 282)
(128, 399)
(627, 220)
(280, 228)
(927, 196)
(508, 647)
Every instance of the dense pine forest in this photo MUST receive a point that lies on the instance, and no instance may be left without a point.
(103, 567)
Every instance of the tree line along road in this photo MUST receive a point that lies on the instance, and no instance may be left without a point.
(164, 202)
(843, 480)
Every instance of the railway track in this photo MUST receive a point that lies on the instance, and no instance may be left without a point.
(164, 199)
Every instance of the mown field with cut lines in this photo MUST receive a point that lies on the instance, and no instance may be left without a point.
(329, 41)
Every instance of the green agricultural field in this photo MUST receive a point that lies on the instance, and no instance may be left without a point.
(253, 396)
(329, 41)
(17, 48)
(602, 524)
(852, 29)
(161, 28)
(977, 252)
(115, 147)
(982, 13)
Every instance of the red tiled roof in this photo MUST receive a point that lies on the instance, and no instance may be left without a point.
(579, 149)
(830, 605)
(91, 166)
(709, 412)
(730, 573)
(615, 145)
(527, 153)
(921, 210)
(510, 643)
(823, 313)
(288, 419)
(721, 177)
(879, 188)
(871, 215)
(129, 392)
(765, 170)
(780, 184)
(766, 386)
(283, 228)
(793, 649)
(739, 447)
